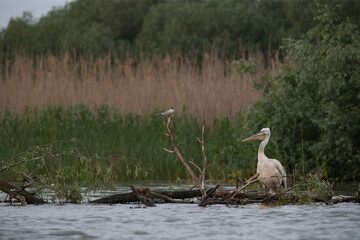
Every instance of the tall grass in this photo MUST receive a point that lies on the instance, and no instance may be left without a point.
(132, 143)
(208, 89)
(108, 105)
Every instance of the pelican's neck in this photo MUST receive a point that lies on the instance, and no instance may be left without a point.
(261, 152)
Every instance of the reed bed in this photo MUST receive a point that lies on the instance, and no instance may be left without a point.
(108, 106)
(205, 90)
(132, 144)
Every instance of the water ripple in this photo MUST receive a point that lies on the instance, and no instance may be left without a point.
(180, 221)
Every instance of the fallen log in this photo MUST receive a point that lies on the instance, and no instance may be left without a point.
(168, 199)
(20, 194)
(131, 197)
(221, 197)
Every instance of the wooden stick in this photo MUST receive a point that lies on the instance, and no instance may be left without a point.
(196, 166)
(252, 179)
(147, 201)
(204, 157)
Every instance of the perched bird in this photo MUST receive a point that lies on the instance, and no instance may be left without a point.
(168, 112)
(271, 172)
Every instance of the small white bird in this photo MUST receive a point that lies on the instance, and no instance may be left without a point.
(271, 173)
(168, 112)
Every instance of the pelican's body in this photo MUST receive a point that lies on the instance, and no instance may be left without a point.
(271, 173)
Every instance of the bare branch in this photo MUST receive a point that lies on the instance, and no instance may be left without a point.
(196, 166)
(204, 156)
(252, 179)
(176, 150)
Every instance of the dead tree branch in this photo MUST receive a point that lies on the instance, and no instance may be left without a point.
(198, 180)
(204, 158)
(252, 179)
(176, 151)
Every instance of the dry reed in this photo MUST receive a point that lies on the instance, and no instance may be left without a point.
(210, 89)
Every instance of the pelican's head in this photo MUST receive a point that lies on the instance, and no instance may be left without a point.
(265, 132)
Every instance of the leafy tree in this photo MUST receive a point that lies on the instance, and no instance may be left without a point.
(313, 108)
(91, 27)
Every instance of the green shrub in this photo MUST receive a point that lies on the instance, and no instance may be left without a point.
(313, 108)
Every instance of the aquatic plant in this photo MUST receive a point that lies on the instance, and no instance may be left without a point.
(60, 169)
(131, 143)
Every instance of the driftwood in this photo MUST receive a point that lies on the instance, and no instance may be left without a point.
(168, 199)
(20, 194)
(131, 197)
(218, 197)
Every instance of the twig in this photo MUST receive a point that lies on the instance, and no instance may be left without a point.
(252, 179)
(169, 151)
(36, 147)
(196, 166)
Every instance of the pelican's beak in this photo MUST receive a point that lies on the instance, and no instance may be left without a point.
(258, 136)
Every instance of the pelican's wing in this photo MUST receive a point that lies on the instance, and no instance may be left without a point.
(281, 170)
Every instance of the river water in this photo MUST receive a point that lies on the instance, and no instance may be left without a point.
(179, 221)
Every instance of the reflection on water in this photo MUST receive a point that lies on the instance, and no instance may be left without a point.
(179, 221)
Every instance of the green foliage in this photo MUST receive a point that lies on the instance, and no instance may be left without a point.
(122, 27)
(313, 109)
(305, 191)
(61, 170)
(131, 144)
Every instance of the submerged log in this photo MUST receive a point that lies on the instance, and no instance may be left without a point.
(168, 199)
(20, 194)
(221, 197)
(131, 197)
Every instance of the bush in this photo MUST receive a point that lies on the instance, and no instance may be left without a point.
(313, 108)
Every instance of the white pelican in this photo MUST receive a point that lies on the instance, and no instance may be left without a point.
(271, 172)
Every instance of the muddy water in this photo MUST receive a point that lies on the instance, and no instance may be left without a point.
(179, 221)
